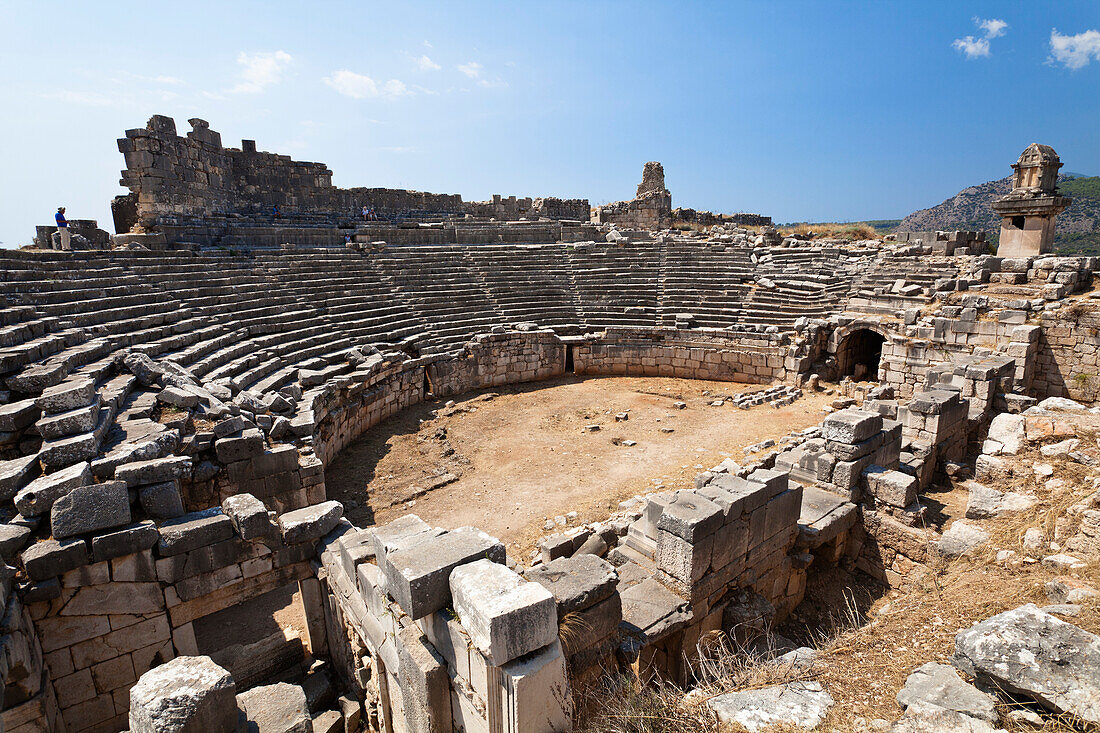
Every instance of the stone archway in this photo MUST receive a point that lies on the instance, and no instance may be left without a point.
(858, 354)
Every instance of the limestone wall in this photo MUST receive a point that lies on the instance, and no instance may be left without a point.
(107, 608)
(1068, 359)
(750, 358)
(493, 360)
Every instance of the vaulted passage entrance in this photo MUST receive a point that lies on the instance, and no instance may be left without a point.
(858, 355)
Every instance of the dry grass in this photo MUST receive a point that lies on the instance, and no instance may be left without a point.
(851, 232)
(661, 707)
(867, 647)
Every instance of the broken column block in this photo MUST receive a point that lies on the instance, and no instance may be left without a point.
(505, 615)
(418, 575)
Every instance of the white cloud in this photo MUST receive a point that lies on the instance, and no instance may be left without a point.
(492, 83)
(395, 88)
(426, 64)
(472, 69)
(361, 86)
(350, 84)
(971, 46)
(975, 47)
(993, 27)
(261, 70)
(1075, 52)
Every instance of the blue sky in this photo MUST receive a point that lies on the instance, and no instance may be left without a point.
(800, 110)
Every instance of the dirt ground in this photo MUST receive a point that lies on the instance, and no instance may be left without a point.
(508, 460)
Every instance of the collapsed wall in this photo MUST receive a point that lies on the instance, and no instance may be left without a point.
(172, 177)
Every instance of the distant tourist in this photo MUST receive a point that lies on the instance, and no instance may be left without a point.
(62, 227)
(275, 211)
(366, 214)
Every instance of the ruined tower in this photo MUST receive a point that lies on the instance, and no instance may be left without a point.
(1027, 212)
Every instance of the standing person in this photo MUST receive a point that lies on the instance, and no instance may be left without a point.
(62, 227)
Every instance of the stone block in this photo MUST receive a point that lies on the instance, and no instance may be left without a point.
(240, 448)
(891, 487)
(418, 575)
(505, 615)
(116, 599)
(16, 416)
(277, 708)
(162, 500)
(66, 396)
(1029, 652)
(577, 582)
(13, 538)
(249, 517)
(310, 523)
(398, 534)
(192, 531)
(50, 558)
(592, 626)
(184, 695)
(851, 425)
(798, 704)
(536, 695)
(178, 398)
(15, 474)
(154, 471)
(682, 560)
(90, 508)
(125, 541)
(79, 420)
(743, 495)
(425, 685)
(690, 516)
(39, 495)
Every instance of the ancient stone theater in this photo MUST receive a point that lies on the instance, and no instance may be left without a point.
(917, 550)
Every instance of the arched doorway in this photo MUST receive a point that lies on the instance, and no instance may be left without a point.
(858, 355)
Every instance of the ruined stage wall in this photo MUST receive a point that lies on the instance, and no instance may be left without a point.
(750, 358)
(195, 176)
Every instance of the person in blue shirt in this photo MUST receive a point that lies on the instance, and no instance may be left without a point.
(62, 227)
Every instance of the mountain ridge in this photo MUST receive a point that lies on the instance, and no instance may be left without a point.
(971, 208)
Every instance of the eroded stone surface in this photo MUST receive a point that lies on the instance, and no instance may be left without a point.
(1029, 652)
(803, 704)
(184, 695)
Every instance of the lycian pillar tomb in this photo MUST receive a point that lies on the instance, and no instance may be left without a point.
(1027, 212)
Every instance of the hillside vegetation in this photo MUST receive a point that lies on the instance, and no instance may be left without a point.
(1078, 229)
